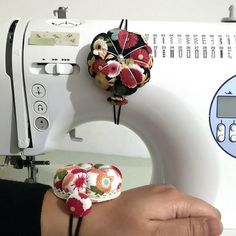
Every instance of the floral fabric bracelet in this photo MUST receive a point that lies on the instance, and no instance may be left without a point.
(80, 185)
(83, 184)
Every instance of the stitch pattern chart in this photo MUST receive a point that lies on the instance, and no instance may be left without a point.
(193, 46)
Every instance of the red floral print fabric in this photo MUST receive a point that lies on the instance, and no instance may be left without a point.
(120, 62)
(82, 184)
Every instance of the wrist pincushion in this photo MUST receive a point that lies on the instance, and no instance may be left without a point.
(83, 184)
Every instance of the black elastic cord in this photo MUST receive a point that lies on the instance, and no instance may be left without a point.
(70, 225)
(114, 113)
(70, 231)
(116, 117)
(78, 226)
(126, 24)
(121, 23)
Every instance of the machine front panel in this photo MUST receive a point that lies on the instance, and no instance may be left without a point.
(182, 53)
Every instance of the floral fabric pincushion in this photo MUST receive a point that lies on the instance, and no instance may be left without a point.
(82, 184)
(120, 61)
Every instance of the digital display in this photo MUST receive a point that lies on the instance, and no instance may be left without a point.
(226, 106)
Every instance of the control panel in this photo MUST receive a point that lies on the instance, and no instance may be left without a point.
(222, 116)
(40, 108)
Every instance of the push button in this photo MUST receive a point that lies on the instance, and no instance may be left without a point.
(221, 138)
(41, 123)
(232, 138)
(232, 133)
(220, 132)
(40, 107)
(38, 90)
(233, 127)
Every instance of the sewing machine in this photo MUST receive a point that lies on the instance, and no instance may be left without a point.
(185, 115)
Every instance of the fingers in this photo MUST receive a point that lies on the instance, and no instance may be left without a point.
(174, 204)
(196, 207)
(192, 226)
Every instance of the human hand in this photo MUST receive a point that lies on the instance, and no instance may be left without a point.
(152, 210)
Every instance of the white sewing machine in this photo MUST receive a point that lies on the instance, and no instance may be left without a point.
(186, 114)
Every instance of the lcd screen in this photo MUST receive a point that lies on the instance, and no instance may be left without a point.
(226, 106)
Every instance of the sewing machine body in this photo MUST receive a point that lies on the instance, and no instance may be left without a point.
(46, 92)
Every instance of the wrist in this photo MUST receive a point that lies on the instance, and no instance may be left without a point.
(54, 216)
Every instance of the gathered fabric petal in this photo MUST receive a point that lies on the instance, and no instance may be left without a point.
(127, 39)
(128, 78)
(79, 204)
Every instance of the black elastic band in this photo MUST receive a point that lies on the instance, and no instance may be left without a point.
(116, 117)
(70, 231)
(78, 226)
(114, 113)
(126, 24)
(70, 225)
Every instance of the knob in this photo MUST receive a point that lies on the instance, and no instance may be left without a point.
(60, 12)
(231, 17)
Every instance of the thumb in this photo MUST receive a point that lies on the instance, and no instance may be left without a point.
(192, 226)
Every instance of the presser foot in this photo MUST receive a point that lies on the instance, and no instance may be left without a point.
(19, 162)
